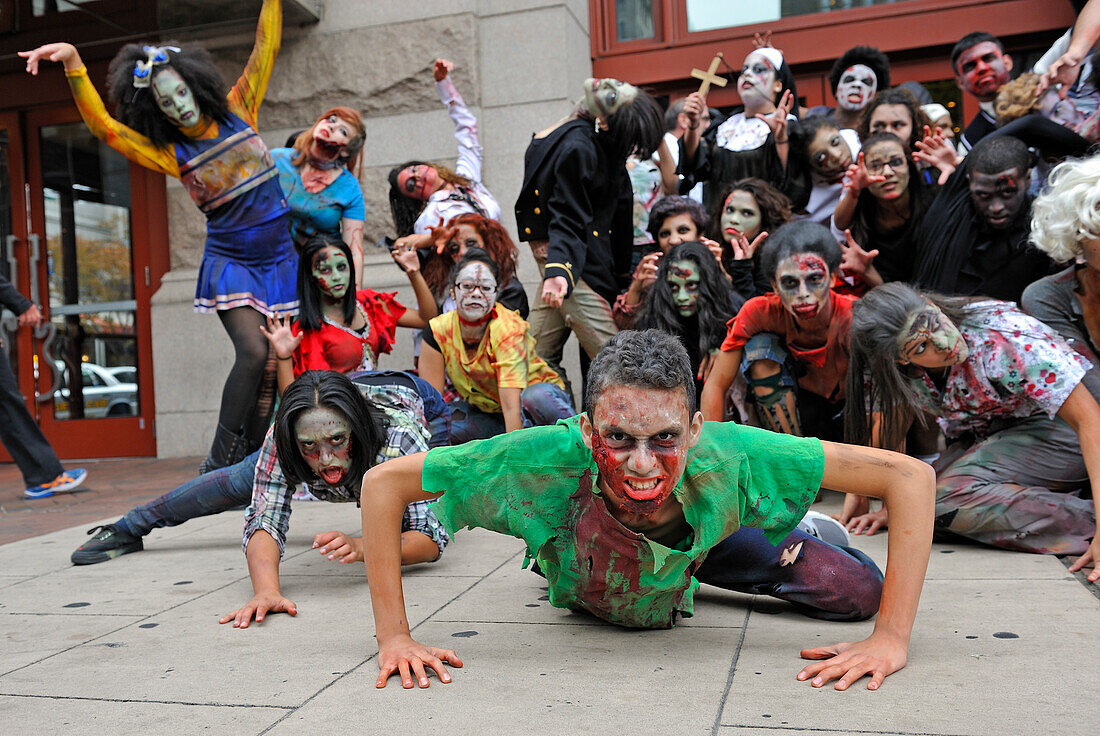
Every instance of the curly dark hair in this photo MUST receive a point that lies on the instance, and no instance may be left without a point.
(800, 236)
(659, 311)
(646, 359)
(335, 391)
(437, 267)
(673, 205)
(870, 57)
(404, 208)
(896, 96)
(775, 210)
(138, 109)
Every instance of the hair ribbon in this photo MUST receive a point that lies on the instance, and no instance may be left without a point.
(154, 56)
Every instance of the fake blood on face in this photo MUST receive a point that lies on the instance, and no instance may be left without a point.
(324, 439)
(802, 282)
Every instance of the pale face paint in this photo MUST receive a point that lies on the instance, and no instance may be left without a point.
(640, 441)
(475, 292)
(930, 340)
(418, 182)
(603, 97)
(683, 280)
(802, 282)
(330, 136)
(331, 271)
(675, 230)
(758, 80)
(175, 99)
(324, 439)
(740, 216)
(829, 155)
(887, 159)
(858, 85)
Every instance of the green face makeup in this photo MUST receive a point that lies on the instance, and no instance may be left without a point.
(174, 98)
(683, 280)
(604, 97)
(740, 216)
(331, 272)
(324, 439)
(930, 340)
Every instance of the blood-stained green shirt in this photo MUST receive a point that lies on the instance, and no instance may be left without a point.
(539, 484)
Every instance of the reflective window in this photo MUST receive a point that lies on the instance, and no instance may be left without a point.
(633, 19)
(706, 15)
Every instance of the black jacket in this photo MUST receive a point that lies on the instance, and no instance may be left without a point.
(577, 196)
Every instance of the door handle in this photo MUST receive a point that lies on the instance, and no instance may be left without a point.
(32, 241)
(47, 333)
(13, 262)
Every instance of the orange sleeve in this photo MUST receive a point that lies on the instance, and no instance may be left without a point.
(124, 139)
(247, 94)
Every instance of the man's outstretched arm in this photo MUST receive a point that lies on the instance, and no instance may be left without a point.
(387, 489)
(908, 488)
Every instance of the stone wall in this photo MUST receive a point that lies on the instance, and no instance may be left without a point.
(519, 65)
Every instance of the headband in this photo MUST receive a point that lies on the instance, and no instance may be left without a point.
(154, 56)
(775, 56)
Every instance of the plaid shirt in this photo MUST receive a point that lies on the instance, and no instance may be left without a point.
(405, 429)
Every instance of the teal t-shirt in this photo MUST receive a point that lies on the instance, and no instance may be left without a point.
(539, 484)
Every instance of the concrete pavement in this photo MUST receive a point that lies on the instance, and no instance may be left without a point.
(1004, 644)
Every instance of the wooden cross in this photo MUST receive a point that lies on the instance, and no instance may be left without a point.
(709, 77)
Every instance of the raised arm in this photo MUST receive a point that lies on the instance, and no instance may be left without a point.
(127, 141)
(469, 146)
(908, 488)
(407, 258)
(248, 92)
(387, 489)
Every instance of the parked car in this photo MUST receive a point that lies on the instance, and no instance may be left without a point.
(104, 394)
(124, 373)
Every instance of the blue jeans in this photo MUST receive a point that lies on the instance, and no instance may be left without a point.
(212, 493)
(543, 403)
(822, 581)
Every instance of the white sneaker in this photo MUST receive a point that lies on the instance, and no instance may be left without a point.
(825, 528)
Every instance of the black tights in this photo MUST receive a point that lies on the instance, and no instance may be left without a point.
(244, 409)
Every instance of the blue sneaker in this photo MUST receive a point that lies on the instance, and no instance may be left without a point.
(67, 481)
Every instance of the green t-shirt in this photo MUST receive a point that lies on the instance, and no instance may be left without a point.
(539, 484)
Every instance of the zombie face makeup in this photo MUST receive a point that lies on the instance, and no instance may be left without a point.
(418, 182)
(603, 97)
(894, 119)
(330, 136)
(758, 80)
(887, 159)
(802, 282)
(858, 85)
(640, 440)
(675, 230)
(475, 292)
(740, 216)
(829, 155)
(175, 99)
(930, 340)
(982, 69)
(331, 271)
(999, 197)
(683, 281)
(464, 238)
(324, 439)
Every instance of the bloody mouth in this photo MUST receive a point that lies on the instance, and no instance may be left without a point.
(332, 476)
(804, 311)
(328, 148)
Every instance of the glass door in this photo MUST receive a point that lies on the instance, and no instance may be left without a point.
(90, 361)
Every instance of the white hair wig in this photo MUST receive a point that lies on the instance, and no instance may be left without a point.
(1067, 214)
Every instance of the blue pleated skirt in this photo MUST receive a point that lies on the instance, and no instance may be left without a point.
(256, 267)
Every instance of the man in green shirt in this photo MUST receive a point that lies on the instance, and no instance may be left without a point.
(620, 506)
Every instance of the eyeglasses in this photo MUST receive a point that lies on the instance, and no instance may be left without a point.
(876, 167)
(468, 287)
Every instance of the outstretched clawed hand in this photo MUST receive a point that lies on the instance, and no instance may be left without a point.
(336, 545)
(762, 40)
(66, 53)
(407, 657)
(282, 338)
(743, 250)
(259, 605)
(777, 121)
(442, 69)
(857, 178)
(1061, 74)
(937, 152)
(855, 260)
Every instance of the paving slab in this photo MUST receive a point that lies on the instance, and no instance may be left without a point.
(49, 715)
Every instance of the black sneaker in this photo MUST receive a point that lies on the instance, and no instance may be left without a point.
(108, 542)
